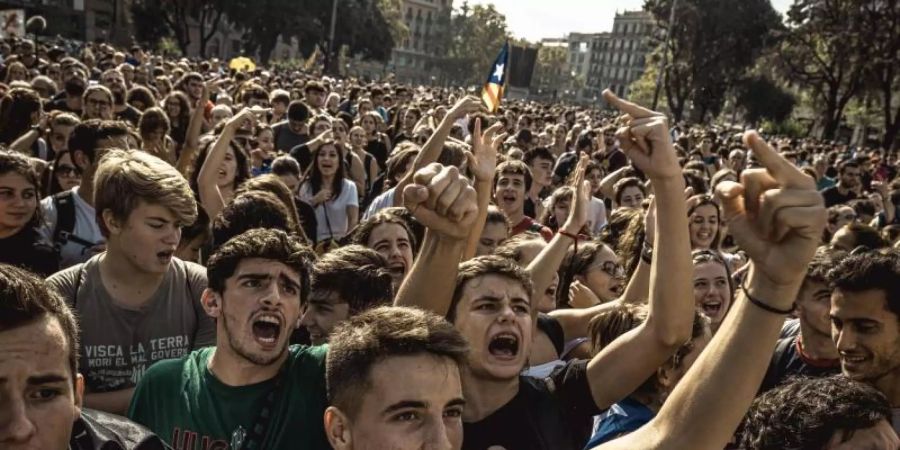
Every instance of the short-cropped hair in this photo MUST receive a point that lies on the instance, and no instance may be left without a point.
(263, 243)
(124, 179)
(26, 298)
(359, 343)
(481, 266)
(358, 274)
(871, 270)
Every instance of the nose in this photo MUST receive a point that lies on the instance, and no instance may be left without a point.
(506, 312)
(846, 340)
(270, 296)
(15, 425)
(436, 435)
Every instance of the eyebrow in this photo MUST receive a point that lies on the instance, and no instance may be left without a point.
(404, 404)
(41, 379)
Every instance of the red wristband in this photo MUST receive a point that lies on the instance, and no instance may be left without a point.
(570, 235)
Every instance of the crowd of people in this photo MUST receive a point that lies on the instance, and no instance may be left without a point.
(194, 257)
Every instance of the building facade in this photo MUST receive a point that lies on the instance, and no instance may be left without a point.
(411, 59)
(622, 54)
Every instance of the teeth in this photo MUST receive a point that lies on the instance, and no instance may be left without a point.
(267, 340)
(268, 319)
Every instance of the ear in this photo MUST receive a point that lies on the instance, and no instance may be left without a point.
(80, 159)
(79, 391)
(112, 223)
(212, 303)
(337, 428)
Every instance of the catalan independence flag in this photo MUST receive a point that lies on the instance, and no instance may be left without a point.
(496, 81)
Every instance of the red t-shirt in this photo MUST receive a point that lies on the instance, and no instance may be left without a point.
(528, 224)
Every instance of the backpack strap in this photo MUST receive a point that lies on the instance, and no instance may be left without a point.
(63, 232)
(64, 203)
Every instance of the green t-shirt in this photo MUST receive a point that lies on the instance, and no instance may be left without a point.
(182, 401)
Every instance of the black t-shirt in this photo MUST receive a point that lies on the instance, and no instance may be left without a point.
(787, 361)
(60, 105)
(380, 151)
(24, 250)
(552, 328)
(555, 413)
(303, 155)
(614, 161)
(285, 138)
(130, 114)
(833, 197)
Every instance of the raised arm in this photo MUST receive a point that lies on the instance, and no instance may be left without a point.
(192, 139)
(621, 367)
(482, 163)
(780, 233)
(431, 151)
(546, 264)
(609, 181)
(444, 202)
(210, 196)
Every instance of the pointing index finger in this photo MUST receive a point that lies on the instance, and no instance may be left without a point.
(785, 173)
(632, 109)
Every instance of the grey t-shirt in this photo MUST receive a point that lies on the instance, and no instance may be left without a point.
(119, 343)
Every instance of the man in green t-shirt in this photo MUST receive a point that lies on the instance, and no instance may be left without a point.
(253, 390)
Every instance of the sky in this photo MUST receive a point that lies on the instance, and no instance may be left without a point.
(537, 19)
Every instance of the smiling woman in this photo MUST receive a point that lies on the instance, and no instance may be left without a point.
(19, 214)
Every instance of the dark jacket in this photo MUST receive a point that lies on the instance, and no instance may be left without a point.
(96, 430)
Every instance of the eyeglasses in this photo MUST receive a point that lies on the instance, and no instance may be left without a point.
(67, 170)
(610, 268)
(98, 103)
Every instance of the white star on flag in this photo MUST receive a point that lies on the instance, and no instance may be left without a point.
(498, 72)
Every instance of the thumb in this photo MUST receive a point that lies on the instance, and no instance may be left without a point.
(731, 196)
(413, 196)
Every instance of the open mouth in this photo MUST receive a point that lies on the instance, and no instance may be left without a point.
(852, 359)
(704, 235)
(504, 346)
(508, 198)
(711, 308)
(397, 270)
(267, 329)
(165, 256)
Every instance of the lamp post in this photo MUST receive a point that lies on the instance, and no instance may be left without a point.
(330, 55)
(665, 56)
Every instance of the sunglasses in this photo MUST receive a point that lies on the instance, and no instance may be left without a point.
(67, 170)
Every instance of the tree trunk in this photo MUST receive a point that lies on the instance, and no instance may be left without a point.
(891, 129)
(267, 46)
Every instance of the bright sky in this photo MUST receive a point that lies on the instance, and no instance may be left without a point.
(536, 19)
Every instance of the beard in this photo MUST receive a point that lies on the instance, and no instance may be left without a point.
(118, 97)
(242, 349)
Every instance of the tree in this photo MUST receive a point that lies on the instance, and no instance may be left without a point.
(882, 20)
(761, 99)
(178, 16)
(825, 49)
(361, 25)
(712, 44)
(474, 36)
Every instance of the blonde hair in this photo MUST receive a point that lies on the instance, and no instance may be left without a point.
(126, 178)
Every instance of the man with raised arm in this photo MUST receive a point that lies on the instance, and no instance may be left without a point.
(777, 217)
(489, 301)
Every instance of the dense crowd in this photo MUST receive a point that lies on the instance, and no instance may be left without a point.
(196, 257)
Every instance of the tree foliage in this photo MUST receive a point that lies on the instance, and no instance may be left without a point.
(474, 35)
(713, 43)
(361, 25)
(156, 19)
(761, 99)
(825, 49)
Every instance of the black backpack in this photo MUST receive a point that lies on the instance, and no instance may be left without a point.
(65, 222)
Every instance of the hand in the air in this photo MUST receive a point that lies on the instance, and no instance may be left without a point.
(442, 200)
(483, 159)
(645, 139)
(775, 214)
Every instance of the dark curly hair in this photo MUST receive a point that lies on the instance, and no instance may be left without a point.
(804, 413)
(868, 271)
